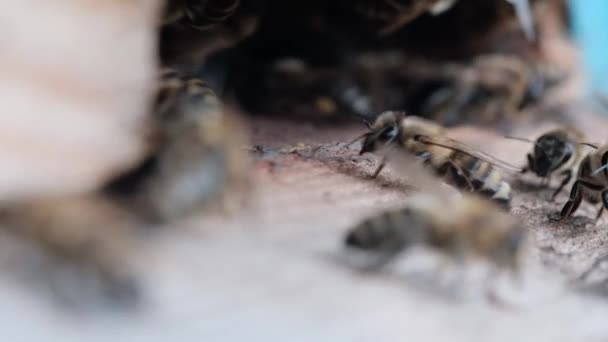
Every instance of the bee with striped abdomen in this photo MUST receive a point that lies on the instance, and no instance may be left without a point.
(458, 228)
(591, 184)
(459, 164)
(558, 151)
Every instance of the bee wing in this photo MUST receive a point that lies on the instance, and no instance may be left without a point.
(599, 169)
(419, 176)
(464, 148)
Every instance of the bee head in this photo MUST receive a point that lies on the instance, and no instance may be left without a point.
(549, 154)
(379, 139)
(367, 236)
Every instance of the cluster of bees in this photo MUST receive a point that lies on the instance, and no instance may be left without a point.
(195, 153)
(477, 222)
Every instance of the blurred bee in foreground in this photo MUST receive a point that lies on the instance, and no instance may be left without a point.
(458, 228)
(194, 158)
(558, 151)
(457, 163)
(591, 184)
(80, 248)
(195, 155)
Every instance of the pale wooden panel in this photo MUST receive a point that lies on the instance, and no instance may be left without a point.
(75, 80)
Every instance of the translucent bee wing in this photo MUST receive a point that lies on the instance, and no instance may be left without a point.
(599, 169)
(466, 149)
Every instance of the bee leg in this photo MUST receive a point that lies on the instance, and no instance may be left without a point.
(566, 180)
(604, 205)
(531, 164)
(576, 196)
(459, 175)
(379, 168)
(599, 213)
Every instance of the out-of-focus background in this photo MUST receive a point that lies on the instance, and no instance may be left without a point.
(79, 84)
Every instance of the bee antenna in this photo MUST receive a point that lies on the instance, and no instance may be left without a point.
(519, 139)
(367, 124)
(594, 146)
(357, 139)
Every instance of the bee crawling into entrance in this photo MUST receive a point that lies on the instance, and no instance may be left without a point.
(458, 228)
(559, 151)
(459, 164)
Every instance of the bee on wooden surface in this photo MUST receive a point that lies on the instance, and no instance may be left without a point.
(591, 184)
(458, 228)
(459, 164)
(557, 152)
(195, 154)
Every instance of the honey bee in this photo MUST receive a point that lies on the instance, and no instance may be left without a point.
(558, 151)
(83, 244)
(591, 184)
(457, 163)
(194, 157)
(195, 154)
(457, 228)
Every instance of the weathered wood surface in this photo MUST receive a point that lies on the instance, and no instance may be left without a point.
(276, 270)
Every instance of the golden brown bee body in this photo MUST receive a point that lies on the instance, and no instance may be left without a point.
(557, 152)
(458, 228)
(196, 154)
(459, 166)
(591, 183)
(194, 158)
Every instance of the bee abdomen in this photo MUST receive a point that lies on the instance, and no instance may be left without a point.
(502, 195)
(484, 179)
(491, 184)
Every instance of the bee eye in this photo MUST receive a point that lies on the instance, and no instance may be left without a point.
(388, 133)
